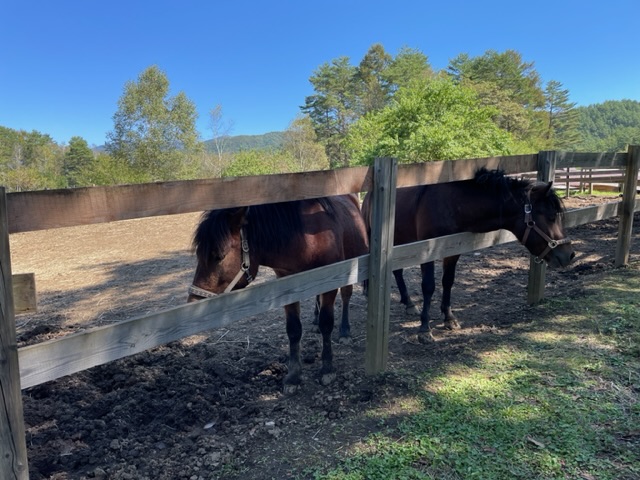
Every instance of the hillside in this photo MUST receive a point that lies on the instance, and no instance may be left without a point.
(237, 143)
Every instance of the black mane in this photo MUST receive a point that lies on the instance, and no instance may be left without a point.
(269, 227)
(518, 188)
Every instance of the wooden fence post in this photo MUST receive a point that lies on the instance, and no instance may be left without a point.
(383, 208)
(13, 447)
(627, 206)
(537, 271)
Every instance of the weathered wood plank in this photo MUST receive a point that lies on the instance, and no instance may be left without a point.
(13, 446)
(56, 358)
(590, 160)
(547, 165)
(383, 209)
(24, 293)
(46, 209)
(454, 170)
(629, 193)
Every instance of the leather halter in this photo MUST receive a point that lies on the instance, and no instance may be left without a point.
(244, 270)
(531, 225)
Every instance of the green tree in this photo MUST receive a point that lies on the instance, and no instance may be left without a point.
(333, 107)
(260, 162)
(408, 66)
(434, 120)
(153, 132)
(78, 161)
(301, 143)
(507, 70)
(372, 86)
(562, 119)
(609, 126)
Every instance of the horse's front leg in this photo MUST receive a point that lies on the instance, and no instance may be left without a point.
(325, 323)
(428, 287)
(448, 277)
(345, 328)
(405, 298)
(294, 331)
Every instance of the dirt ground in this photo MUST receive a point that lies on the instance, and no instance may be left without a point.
(211, 406)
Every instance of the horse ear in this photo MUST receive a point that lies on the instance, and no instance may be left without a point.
(548, 188)
(238, 217)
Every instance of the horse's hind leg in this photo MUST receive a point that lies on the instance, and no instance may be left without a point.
(294, 331)
(428, 287)
(405, 298)
(345, 328)
(448, 277)
(326, 320)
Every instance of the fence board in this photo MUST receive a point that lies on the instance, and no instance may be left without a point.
(56, 358)
(590, 160)
(40, 210)
(24, 293)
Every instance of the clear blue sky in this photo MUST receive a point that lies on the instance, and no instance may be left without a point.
(64, 64)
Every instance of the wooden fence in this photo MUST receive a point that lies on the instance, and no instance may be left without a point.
(28, 211)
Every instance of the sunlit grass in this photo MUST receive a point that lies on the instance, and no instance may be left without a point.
(561, 401)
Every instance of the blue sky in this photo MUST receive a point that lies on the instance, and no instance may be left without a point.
(64, 64)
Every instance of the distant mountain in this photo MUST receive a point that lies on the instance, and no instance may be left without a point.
(238, 143)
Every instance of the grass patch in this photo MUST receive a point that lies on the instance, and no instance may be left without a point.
(560, 401)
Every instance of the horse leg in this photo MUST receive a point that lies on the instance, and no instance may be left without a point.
(428, 287)
(345, 328)
(326, 319)
(294, 331)
(448, 276)
(405, 299)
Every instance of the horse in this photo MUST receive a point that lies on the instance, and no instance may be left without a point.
(289, 237)
(490, 201)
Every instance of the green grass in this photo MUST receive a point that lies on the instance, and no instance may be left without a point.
(561, 401)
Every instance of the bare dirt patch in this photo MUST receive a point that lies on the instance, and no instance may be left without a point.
(211, 406)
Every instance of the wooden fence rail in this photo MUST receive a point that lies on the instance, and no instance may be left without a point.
(20, 212)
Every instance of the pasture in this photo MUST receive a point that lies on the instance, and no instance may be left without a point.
(211, 406)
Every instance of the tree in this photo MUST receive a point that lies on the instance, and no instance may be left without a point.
(220, 130)
(154, 133)
(507, 70)
(609, 126)
(407, 67)
(434, 120)
(301, 143)
(333, 107)
(78, 161)
(562, 126)
(372, 86)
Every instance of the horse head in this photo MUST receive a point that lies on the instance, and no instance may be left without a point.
(222, 251)
(541, 229)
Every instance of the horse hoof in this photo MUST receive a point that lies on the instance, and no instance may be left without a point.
(426, 338)
(451, 324)
(344, 340)
(327, 378)
(290, 389)
(412, 310)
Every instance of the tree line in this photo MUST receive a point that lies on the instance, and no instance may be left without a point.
(385, 105)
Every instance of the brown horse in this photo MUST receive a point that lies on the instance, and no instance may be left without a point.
(491, 201)
(289, 237)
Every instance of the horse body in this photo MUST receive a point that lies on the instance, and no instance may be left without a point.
(491, 201)
(288, 237)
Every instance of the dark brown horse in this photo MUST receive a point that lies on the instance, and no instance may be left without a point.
(491, 201)
(289, 237)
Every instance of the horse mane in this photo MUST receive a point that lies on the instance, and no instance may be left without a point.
(506, 187)
(269, 227)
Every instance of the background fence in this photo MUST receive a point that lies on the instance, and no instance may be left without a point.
(27, 211)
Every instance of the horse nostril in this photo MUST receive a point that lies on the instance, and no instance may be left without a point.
(573, 255)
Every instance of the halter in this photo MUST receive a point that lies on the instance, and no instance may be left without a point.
(531, 225)
(244, 270)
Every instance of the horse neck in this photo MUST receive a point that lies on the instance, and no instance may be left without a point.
(484, 210)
